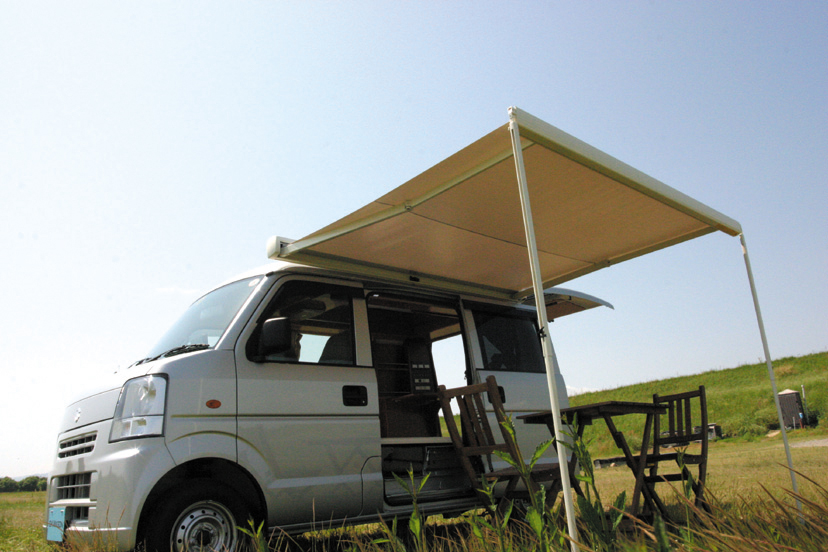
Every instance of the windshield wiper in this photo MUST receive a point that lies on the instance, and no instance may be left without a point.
(181, 349)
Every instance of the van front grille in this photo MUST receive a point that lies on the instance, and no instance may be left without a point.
(73, 486)
(75, 446)
(77, 513)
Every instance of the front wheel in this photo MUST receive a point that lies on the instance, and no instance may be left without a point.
(202, 517)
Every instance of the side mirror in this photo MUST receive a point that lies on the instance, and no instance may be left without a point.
(275, 338)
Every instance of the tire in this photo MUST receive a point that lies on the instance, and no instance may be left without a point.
(203, 516)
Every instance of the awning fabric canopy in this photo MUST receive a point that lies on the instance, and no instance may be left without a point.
(459, 224)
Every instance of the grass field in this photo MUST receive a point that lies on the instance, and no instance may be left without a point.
(738, 399)
(748, 480)
(739, 469)
(21, 516)
(739, 473)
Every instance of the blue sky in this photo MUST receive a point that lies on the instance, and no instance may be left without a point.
(148, 149)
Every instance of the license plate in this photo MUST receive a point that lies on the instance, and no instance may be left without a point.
(56, 525)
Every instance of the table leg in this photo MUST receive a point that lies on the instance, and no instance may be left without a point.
(635, 466)
(642, 462)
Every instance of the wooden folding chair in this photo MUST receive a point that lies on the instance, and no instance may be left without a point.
(677, 428)
(477, 444)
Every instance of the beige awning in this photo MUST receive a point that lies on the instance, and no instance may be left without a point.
(459, 224)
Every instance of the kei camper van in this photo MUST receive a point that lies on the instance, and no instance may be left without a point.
(293, 394)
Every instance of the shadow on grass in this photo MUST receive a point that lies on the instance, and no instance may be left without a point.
(439, 535)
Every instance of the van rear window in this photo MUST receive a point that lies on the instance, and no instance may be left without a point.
(509, 343)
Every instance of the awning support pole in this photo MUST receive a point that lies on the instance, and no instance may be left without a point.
(770, 371)
(548, 350)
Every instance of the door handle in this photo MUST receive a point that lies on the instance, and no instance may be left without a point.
(355, 395)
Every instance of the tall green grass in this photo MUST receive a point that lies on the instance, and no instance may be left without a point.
(764, 519)
(769, 521)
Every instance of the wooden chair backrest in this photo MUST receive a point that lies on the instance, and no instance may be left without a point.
(477, 439)
(676, 426)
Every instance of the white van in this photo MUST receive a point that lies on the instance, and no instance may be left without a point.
(291, 394)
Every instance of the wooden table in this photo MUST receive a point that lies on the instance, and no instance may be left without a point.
(582, 416)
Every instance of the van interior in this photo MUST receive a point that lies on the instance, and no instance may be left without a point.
(403, 331)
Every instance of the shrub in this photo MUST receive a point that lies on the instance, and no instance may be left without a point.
(8, 485)
(32, 483)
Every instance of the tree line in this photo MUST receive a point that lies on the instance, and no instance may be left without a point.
(31, 483)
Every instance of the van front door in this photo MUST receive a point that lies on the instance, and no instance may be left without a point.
(308, 414)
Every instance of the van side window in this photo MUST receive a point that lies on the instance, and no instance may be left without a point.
(509, 343)
(321, 324)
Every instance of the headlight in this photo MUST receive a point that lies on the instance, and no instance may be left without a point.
(140, 409)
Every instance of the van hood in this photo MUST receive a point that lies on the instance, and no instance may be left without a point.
(90, 410)
(97, 402)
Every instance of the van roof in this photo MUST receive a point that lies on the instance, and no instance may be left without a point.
(458, 226)
(559, 301)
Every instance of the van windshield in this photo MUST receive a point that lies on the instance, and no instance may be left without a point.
(206, 319)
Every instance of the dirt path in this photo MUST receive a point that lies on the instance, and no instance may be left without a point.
(812, 443)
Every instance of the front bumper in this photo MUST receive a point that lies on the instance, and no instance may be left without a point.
(98, 488)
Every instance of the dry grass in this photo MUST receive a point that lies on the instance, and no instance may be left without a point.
(748, 481)
(21, 515)
(785, 370)
(737, 469)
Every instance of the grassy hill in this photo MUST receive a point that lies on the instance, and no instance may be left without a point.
(739, 399)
